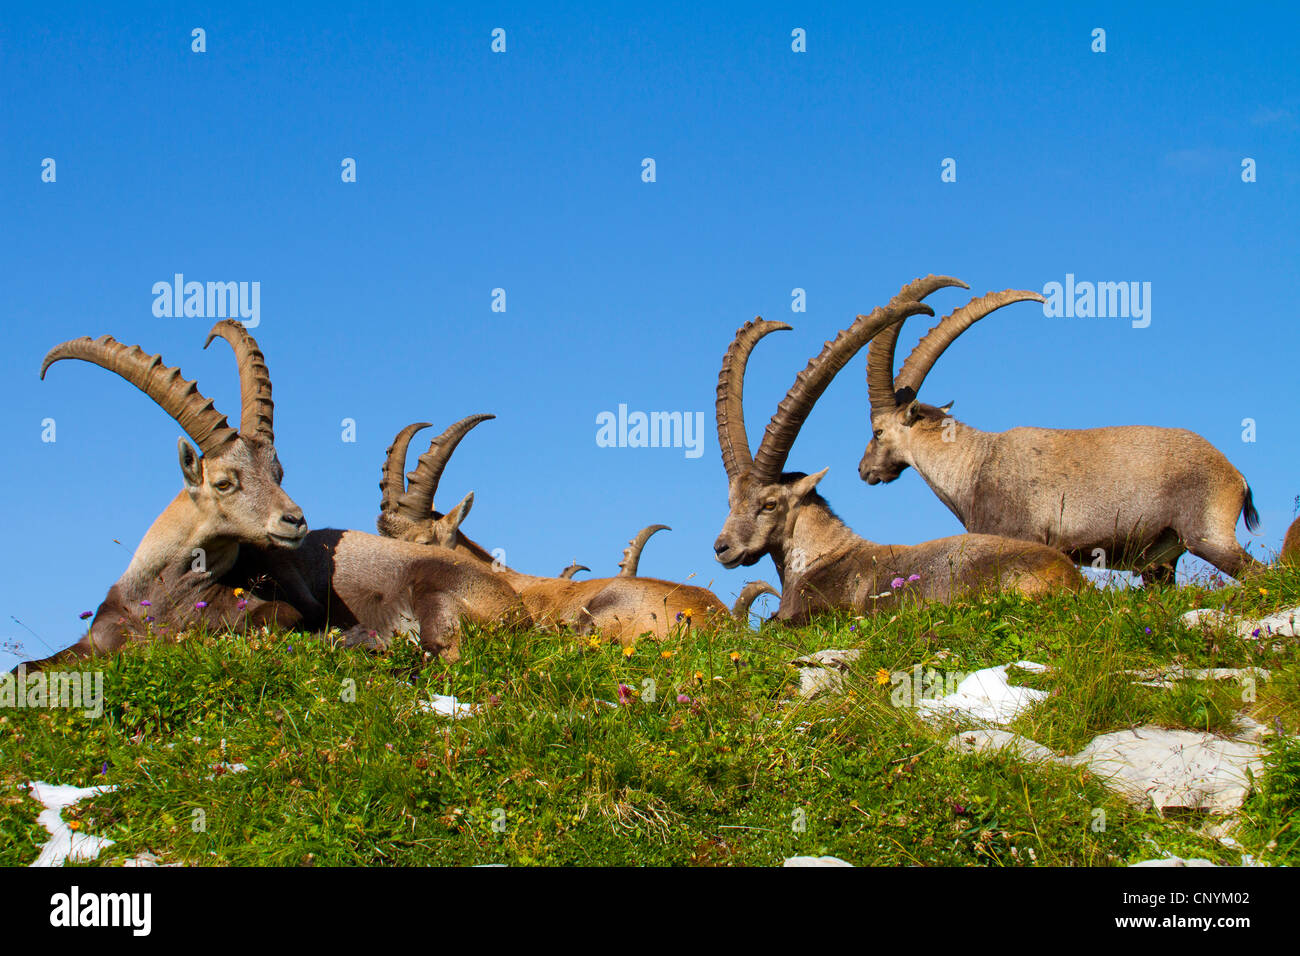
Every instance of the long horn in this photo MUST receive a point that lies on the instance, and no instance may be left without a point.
(632, 553)
(256, 410)
(809, 384)
(748, 594)
(393, 484)
(928, 350)
(179, 397)
(422, 483)
(573, 569)
(731, 389)
(880, 358)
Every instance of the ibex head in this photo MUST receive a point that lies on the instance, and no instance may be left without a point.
(406, 510)
(898, 419)
(233, 479)
(763, 500)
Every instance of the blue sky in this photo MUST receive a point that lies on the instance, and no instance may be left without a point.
(775, 170)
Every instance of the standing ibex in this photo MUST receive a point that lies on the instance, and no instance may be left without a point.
(233, 524)
(621, 608)
(823, 565)
(1135, 496)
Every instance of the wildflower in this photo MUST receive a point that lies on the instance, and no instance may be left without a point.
(200, 605)
(146, 604)
(665, 654)
(239, 592)
(242, 604)
(148, 620)
(629, 650)
(104, 769)
(882, 676)
(1264, 591)
(897, 583)
(683, 699)
(699, 677)
(1148, 630)
(74, 825)
(853, 627)
(86, 614)
(913, 577)
(624, 694)
(679, 616)
(734, 657)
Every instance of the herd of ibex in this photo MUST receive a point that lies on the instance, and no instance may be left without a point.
(233, 549)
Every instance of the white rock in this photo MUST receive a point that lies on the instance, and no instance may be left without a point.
(1175, 861)
(815, 861)
(1173, 769)
(986, 697)
(65, 844)
(989, 740)
(445, 706)
(823, 672)
(1284, 623)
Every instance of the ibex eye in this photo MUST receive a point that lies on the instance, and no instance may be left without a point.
(769, 505)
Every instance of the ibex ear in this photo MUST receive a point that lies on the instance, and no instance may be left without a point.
(191, 464)
(804, 486)
(460, 512)
(912, 414)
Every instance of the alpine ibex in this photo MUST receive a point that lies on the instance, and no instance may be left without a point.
(1291, 544)
(621, 608)
(233, 524)
(1135, 496)
(822, 564)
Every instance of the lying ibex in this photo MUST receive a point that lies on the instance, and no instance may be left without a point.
(631, 554)
(232, 498)
(234, 525)
(1291, 544)
(823, 565)
(621, 608)
(1135, 496)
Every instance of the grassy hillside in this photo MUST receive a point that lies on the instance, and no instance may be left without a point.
(704, 757)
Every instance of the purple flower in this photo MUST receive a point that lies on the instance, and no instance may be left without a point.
(242, 604)
(683, 699)
(104, 769)
(1148, 630)
(853, 627)
(624, 694)
(897, 583)
(200, 605)
(914, 577)
(86, 614)
(146, 603)
(679, 615)
(149, 620)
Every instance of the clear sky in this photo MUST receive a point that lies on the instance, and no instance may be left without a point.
(775, 170)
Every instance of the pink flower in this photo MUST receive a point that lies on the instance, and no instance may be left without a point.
(913, 577)
(200, 605)
(146, 604)
(897, 583)
(683, 699)
(624, 694)
(86, 614)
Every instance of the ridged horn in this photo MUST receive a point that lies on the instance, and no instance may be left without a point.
(928, 350)
(731, 390)
(809, 384)
(393, 483)
(748, 595)
(256, 410)
(422, 484)
(880, 359)
(179, 397)
(573, 569)
(632, 553)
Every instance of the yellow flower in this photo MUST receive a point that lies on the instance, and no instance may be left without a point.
(699, 675)
(1264, 591)
(74, 825)
(629, 651)
(665, 654)
(882, 677)
(239, 592)
(735, 657)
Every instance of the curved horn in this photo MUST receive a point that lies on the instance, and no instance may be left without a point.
(928, 350)
(573, 569)
(880, 358)
(632, 553)
(422, 484)
(256, 410)
(393, 484)
(179, 397)
(813, 380)
(731, 388)
(748, 594)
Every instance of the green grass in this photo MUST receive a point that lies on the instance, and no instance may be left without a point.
(345, 768)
